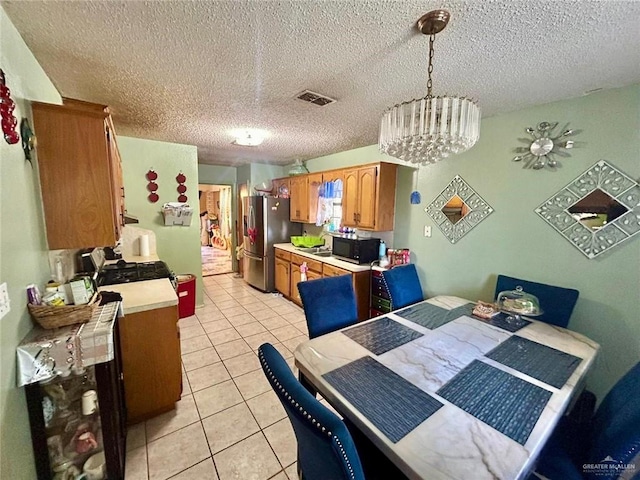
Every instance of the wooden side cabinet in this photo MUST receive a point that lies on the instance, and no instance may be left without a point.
(151, 359)
(80, 174)
(369, 197)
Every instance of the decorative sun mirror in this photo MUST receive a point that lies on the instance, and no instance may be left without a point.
(458, 209)
(544, 145)
(597, 211)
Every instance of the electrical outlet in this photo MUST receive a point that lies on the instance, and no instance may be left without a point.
(5, 306)
(427, 231)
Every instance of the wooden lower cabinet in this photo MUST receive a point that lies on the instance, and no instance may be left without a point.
(150, 344)
(314, 270)
(282, 276)
(361, 285)
(288, 277)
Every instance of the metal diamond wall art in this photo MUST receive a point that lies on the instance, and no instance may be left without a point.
(597, 211)
(458, 209)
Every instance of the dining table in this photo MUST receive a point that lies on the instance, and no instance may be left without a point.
(445, 394)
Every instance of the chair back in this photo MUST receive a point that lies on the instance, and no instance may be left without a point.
(403, 285)
(329, 304)
(616, 425)
(557, 303)
(325, 447)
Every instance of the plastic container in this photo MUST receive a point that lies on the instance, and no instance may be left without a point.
(186, 295)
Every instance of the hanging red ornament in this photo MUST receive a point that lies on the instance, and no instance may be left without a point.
(152, 186)
(181, 187)
(7, 106)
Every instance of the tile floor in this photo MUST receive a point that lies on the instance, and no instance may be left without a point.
(215, 261)
(229, 423)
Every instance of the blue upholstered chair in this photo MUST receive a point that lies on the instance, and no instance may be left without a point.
(556, 302)
(325, 447)
(612, 433)
(329, 304)
(403, 285)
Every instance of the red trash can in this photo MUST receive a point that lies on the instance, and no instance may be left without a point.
(186, 295)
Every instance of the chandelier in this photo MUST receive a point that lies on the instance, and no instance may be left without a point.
(429, 129)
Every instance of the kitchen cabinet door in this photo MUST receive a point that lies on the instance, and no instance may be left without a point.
(369, 197)
(366, 197)
(80, 174)
(295, 279)
(280, 187)
(150, 346)
(350, 198)
(298, 196)
(282, 276)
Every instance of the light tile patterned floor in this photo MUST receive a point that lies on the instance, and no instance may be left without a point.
(229, 423)
(215, 261)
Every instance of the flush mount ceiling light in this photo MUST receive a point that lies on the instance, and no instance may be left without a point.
(429, 129)
(248, 137)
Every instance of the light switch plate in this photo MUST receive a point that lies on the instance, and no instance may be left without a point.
(4, 300)
(427, 231)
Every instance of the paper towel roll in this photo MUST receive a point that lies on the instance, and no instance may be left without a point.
(144, 245)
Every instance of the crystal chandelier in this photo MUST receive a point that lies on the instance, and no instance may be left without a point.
(429, 129)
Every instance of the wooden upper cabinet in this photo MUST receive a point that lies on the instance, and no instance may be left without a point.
(368, 200)
(333, 175)
(280, 185)
(80, 174)
(298, 195)
(303, 191)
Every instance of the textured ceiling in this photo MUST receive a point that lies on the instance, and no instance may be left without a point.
(189, 71)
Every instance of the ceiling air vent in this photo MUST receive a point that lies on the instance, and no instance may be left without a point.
(315, 98)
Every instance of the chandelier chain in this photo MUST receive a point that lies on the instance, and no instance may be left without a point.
(432, 38)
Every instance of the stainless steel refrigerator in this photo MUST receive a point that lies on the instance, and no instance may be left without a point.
(265, 223)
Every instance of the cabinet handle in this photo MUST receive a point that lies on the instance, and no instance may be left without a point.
(122, 188)
(354, 217)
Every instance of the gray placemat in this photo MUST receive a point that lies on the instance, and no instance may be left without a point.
(507, 403)
(431, 316)
(546, 364)
(381, 335)
(387, 400)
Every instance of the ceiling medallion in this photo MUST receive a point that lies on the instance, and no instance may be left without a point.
(544, 145)
(426, 130)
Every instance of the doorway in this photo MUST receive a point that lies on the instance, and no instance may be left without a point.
(216, 232)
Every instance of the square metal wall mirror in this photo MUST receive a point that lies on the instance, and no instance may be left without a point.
(458, 209)
(596, 211)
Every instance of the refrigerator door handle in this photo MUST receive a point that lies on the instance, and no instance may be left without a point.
(252, 256)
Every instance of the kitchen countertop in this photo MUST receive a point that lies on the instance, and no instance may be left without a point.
(146, 295)
(352, 267)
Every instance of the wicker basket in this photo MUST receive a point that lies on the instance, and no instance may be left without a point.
(53, 317)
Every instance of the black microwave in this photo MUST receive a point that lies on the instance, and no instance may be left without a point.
(356, 250)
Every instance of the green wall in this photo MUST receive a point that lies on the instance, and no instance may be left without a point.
(177, 245)
(23, 247)
(514, 240)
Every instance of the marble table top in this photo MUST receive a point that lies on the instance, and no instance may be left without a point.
(451, 443)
